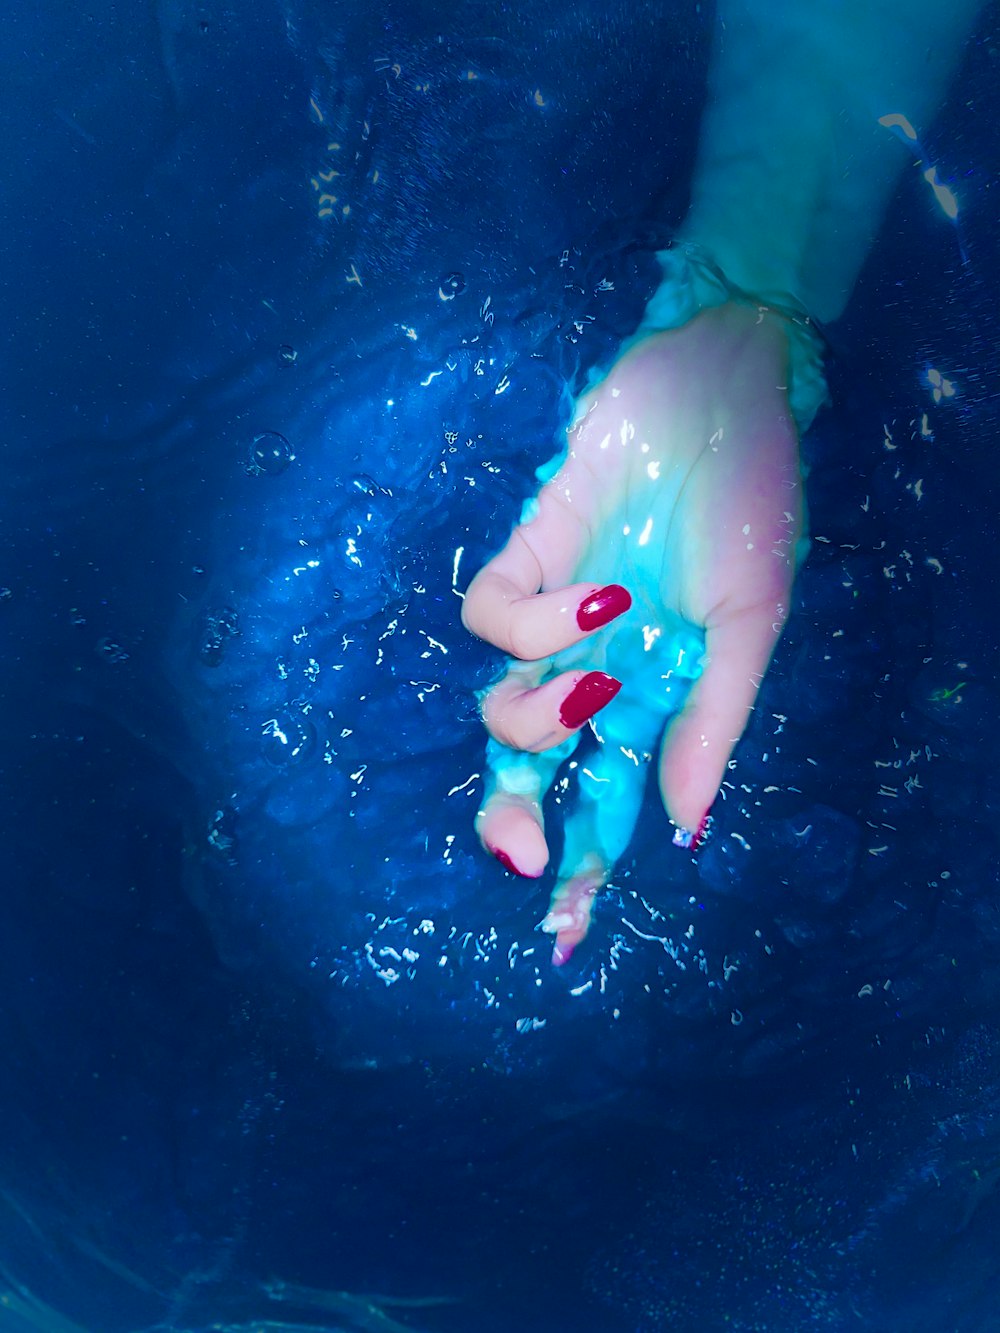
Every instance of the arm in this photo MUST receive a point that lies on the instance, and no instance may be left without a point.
(794, 170)
(681, 481)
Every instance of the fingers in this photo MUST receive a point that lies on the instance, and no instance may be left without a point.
(609, 798)
(698, 745)
(568, 917)
(528, 624)
(504, 604)
(510, 828)
(510, 825)
(531, 717)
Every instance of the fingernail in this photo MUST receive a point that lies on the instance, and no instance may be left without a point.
(587, 697)
(561, 954)
(505, 860)
(507, 863)
(683, 837)
(602, 606)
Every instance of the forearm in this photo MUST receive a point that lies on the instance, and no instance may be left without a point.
(794, 170)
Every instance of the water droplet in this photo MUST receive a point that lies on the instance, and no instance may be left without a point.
(113, 651)
(222, 834)
(288, 738)
(217, 629)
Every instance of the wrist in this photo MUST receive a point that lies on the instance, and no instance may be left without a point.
(693, 282)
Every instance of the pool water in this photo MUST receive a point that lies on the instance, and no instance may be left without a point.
(298, 296)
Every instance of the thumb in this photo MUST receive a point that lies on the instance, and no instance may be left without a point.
(700, 742)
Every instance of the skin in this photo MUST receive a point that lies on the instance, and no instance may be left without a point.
(689, 441)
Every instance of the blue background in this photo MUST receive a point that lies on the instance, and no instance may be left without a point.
(764, 1094)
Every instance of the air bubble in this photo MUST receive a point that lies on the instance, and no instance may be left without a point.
(270, 455)
(450, 286)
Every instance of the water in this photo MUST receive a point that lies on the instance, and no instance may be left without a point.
(270, 1014)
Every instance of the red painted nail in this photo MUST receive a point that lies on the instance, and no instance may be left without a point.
(602, 606)
(508, 864)
(587, 697)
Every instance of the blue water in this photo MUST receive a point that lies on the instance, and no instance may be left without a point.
(270, 1015)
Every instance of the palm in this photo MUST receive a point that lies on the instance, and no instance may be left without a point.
(681, 482)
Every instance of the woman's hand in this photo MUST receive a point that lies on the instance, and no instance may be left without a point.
(681, 491)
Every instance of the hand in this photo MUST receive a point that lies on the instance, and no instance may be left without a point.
(651, 576)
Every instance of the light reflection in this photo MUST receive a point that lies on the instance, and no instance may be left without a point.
(903, 130)
(944, 196)
(940, 387)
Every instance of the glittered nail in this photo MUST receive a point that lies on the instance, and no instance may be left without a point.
(587, 697)
(602, 606)
(683, 837)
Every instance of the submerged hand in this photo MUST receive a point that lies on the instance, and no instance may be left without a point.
(681, 490)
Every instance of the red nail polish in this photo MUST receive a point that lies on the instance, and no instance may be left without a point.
(505, 860)
(508, 864)
(602, 606)
(586, 698)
